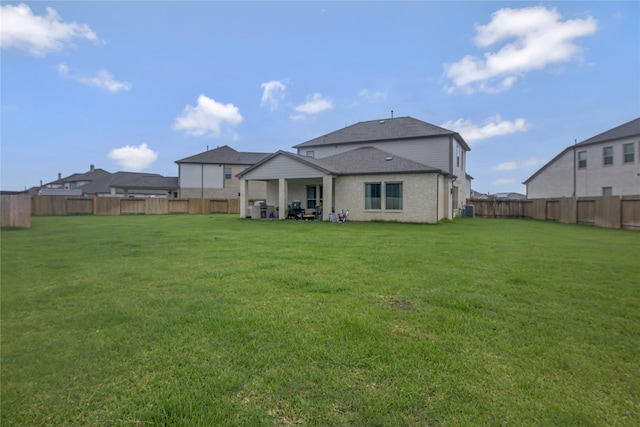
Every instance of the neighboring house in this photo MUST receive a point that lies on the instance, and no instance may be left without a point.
(606, 164)
(478, 195)
(502, 196)
(98, 182)
(212, 174)
(399, 169)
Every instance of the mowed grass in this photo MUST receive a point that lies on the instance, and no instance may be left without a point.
(213, 320)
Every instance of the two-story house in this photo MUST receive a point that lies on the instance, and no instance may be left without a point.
(604, 165)
(398, 169)
(212, 174)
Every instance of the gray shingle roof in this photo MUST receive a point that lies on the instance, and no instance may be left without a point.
(360, 161)
(225, 155)
(380, 130)
(626, 130)
(370, 160)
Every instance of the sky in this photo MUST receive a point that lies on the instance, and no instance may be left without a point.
(137, 85)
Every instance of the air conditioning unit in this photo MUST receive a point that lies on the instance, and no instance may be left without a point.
(469, 210)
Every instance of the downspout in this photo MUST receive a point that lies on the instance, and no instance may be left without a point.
(574, 167)
(438, 197)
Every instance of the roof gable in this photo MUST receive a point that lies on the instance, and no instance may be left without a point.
(225, 155)
(381, 130)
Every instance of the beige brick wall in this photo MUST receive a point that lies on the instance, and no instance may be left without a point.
(418, 191)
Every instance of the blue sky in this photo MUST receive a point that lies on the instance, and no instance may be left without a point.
(135, 86)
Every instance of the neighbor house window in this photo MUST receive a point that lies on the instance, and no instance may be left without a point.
(372, 198)
(582, 159)
(607, 156)
(629, 155)
(311, 196)
(311, 153)
(227, 172)
(607, 191)
(458, 155)
(393, 199)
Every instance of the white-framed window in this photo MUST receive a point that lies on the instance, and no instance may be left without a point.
(607, 156)
(628, 153)
(227, 172)
(311, 196)
(372, 195)
(607, 191)
(310, 153)
(393, 196)
(458, 152)
(582, 159)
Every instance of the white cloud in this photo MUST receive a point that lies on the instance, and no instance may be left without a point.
(208, 116)
(503, 181)
(103, 79)
(272, 93)
(133, 159)
(507, 166)
(39, 35)
(315, 104)
(533, 38)
(532, 162)
(494, 126)
(369, 96)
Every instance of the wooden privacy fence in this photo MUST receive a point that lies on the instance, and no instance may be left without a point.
(605, 211)
(67, 205)
(16, 210)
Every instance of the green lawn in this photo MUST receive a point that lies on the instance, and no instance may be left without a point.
(213, 320)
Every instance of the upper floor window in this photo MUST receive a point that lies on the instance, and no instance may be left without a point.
(310, 153)
(607, 191)
(227, 172)
(393, 199)
(607, 156)
(582, 159)
(628, 153)
(372, 197)
(458, 150)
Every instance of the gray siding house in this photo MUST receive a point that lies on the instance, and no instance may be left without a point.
(399, 169)
(212, 174)
(604, 165)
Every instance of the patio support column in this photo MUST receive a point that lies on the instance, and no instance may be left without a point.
(282, 198)
(327, 196)
(244, 190)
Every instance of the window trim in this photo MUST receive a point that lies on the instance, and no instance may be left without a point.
(632, 153)
(370, 199)
(610, 191)
(312, 201)
(230, 169)
(400, 197)
(580, 165)
(606, 157)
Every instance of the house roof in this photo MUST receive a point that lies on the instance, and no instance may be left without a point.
(370, 160)
(225, 155)
(626, 130)
(92, 175)
(132, 180)
(629, 129)
(319, 164)
(380, 130)
(359, 161)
